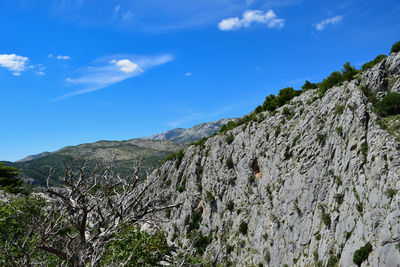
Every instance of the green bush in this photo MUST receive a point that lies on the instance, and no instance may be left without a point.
(348, 72)
(390, 193)
(251, 179)
(229, 249)
(335, 78)
(195, 220)
(243, 228)
(202, 243)
(229, 163)
(9, 181)
(149, 250)
(229, 139)
(372, 63)
(308, 85)
(326, 218)
(339, 109)
(321, 138)
(371, 96)
(362, 254)
(395, 47)
(230, 205)
(389, 105)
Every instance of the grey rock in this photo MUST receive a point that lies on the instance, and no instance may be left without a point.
(297, 186)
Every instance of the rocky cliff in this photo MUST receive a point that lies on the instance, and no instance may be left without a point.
(306, 185)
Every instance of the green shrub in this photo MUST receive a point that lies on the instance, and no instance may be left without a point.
(321, 138)
(267, 256)
(389, 105)
(333, 259)
(372, 63)
(195, 220)
(339, 198)
(335, 78)
(307, 86)
(277, 130)
(395, 47)
(364, 149)
(150, 250)
(371, 96)
(390, 193)
(295, 140)
(251, 179)
(318, 236)
(362, 254)
(209, 197)
(243, 228)
(339, 109)
(9, 181)
(229, 139)
(229, 249)
(230, 205)
(202, 243)
(270, 103)
(339, 130)
(348, 72)
(229, 163)
(326, 218)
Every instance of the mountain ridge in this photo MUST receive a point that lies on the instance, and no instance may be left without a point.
(313, 183)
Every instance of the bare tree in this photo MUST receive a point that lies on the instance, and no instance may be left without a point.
(86, 212)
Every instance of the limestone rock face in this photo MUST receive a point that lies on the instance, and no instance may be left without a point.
(313, 186)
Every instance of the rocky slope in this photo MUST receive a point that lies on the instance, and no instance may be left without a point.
(308, 188)
(186, 136)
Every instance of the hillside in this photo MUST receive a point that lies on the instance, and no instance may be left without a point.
(151, 152)
(311, 183)
(186, 136)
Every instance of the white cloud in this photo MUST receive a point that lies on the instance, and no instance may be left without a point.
(14, 63)
(249, 17)
(333, 20)
(60, 57)
(40, 73)
(125, 65)
(106, 71)
(187, 74)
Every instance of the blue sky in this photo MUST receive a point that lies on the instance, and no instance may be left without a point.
(78, 71)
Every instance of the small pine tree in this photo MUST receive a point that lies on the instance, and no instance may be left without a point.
(9, 181)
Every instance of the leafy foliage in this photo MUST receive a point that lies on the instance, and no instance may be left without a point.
(389, 105)
(9, 181)
(372, 63)
(243, 228)
(137, 248)
(362, 254)
(395, 47)
(308, 85)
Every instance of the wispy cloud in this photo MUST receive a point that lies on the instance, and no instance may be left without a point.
(156, 15)
(188, 74)
(109, 70)
(63, 57)
(14, 63)
(320, 26)
(249, 17)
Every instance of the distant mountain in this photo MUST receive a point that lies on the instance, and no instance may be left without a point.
(150, 152)
(37, 156)
(186, 136)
